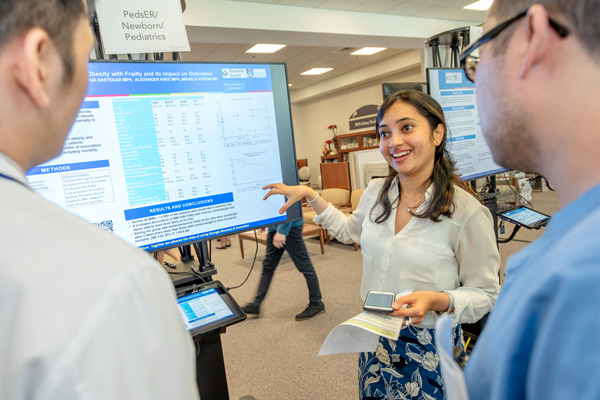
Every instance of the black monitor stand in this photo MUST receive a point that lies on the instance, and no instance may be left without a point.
(210, 366)
(490, 200)
(201, 249)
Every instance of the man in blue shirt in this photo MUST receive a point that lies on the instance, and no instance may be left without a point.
(537, 73)
(288, 236)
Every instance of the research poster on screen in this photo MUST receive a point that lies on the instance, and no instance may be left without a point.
(163, 154)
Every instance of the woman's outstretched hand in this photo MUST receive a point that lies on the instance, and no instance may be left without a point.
(292, 193)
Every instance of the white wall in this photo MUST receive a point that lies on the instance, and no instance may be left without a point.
(311, 118)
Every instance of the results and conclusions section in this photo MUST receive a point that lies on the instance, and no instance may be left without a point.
(163, 168)
(457, 96)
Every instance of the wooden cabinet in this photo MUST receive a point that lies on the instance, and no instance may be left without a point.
(352, 142)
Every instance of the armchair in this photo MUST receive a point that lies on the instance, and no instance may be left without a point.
(342, 199)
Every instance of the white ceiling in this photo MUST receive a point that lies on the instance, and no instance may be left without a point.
(297, 58)
(316, 31)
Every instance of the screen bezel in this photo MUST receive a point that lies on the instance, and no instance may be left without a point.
(537, 225)
(479, 175)
(238, 314)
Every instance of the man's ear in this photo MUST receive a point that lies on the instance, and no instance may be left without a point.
(31, 64)
(536, 32)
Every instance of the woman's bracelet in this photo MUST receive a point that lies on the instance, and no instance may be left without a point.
(313, 200)
(450, 304)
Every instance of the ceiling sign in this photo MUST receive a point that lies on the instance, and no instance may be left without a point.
(363, 118)
(142, 26)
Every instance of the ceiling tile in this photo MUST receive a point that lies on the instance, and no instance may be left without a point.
(312, 57)
(341, 4)
(429, 2)
(376, 6)
(247, 57)
(286, 53)
(458, 4)
(259, 1)
(300, 3)
(434, 12)
(198, 51)
(408, 9)
(466, 15)
(226, 52)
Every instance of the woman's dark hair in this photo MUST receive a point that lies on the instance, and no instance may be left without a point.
(443, 176)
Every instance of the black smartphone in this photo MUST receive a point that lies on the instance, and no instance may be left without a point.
(379, 302)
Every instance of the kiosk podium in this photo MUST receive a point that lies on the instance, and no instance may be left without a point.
(207, 309)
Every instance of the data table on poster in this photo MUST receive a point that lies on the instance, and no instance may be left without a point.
(159, 157)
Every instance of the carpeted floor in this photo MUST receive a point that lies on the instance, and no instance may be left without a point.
(274, 357)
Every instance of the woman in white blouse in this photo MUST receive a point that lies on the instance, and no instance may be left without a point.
(421, 231)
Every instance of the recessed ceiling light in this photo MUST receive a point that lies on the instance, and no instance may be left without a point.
(480, 5)
(316, 71)
(367, 51)
(289, 85)
(265, 48)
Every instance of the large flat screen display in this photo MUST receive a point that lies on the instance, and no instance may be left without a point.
(457, 96)
(169, 153)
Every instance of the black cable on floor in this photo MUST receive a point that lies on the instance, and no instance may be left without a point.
(251, 268)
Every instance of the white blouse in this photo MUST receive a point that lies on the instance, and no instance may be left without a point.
(458, 254)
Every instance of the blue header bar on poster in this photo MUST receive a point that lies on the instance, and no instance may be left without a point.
(143, 78)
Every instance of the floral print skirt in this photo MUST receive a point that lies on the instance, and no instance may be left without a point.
(407, 368)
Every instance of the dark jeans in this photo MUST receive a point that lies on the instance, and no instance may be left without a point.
(294, 244)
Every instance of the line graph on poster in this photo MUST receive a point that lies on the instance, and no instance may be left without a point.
(246, 120)
(253, 172)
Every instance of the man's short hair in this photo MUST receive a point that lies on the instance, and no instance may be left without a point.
(580, 16)
(58, 18)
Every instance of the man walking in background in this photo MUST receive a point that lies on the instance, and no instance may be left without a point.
(288, 236)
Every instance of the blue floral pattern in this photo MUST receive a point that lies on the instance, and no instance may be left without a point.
(407, 368)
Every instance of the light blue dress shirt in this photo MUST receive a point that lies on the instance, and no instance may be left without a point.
(285, 228)
(542, 340)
